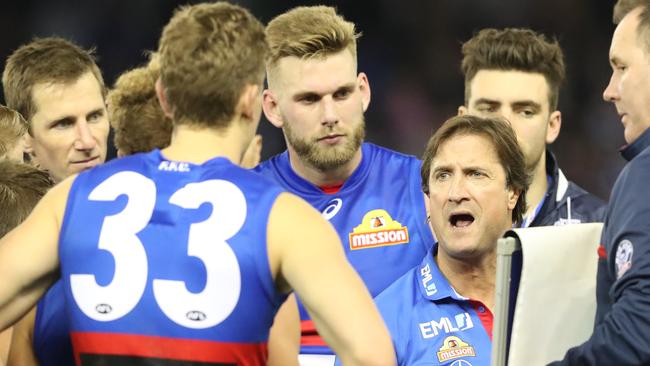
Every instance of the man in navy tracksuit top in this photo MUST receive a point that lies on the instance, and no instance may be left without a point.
(622, 332)
(516, 74)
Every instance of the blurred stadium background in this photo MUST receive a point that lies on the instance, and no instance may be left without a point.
(410, 50)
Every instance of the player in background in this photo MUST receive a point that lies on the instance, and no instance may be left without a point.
(13, 133)
(58, 87)
(138, 121)
(516, 74)
(372, 195)
(21, 187)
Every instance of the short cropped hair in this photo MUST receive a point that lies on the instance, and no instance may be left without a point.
(623, 7)
(504, 141)
(514, 49)
(44, 60)
(208, 54)
(310, 32)
(12, 128)
(21, 187)
(136, 117)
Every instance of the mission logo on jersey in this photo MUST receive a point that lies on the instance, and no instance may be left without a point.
(378, 229)
(454, 347)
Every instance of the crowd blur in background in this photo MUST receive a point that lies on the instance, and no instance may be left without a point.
(409, 49)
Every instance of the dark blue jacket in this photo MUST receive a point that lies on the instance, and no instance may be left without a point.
(622, 332)
(566, 202)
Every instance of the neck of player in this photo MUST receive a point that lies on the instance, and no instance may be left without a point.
(470, 277)
(538, 186)
(329, 177)
(197, 145)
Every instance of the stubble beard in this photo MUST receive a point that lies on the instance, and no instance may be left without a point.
(326, 158)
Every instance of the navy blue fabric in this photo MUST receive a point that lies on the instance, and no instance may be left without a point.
(622, 331)
(584, 207)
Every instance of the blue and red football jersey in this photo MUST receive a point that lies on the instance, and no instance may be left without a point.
(378, 212)
(164, 261)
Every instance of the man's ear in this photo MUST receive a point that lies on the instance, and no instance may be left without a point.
(28, 143)
(513, 197)
(427, 208)
(29, 150)
(248, 103)
(462, 110)
(162, 100)
(23, 141)
(427, 204)
(364, 88)
(271, 108)
(554, 125)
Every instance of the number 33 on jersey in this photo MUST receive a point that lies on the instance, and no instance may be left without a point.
(206, 241)
(174, 254)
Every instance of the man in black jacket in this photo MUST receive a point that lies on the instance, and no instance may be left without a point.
(622, 333)
(516, 74)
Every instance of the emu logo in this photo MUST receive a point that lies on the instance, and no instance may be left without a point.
(103, 308)
(196, 315)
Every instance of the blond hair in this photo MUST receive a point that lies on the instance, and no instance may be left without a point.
(310, 32)
(44, 60)
(21, 187)
(12, 128)
(136, 117)
(208, 54)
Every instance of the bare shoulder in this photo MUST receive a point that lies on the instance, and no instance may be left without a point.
(298, 238)
(54, 202)
(292, 213)
(289, 201)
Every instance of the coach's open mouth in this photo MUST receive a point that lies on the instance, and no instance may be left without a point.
(463, 219)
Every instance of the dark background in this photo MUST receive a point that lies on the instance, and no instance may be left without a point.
(410, 51)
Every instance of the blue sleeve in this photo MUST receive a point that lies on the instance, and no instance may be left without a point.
(622, 337)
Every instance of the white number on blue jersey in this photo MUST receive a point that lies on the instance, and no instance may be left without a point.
(119, 297)
(207, 242)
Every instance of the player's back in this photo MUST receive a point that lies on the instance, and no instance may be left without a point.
(168, 260)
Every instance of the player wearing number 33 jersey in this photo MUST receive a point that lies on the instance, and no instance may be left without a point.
(175, 263)
(171, 254)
